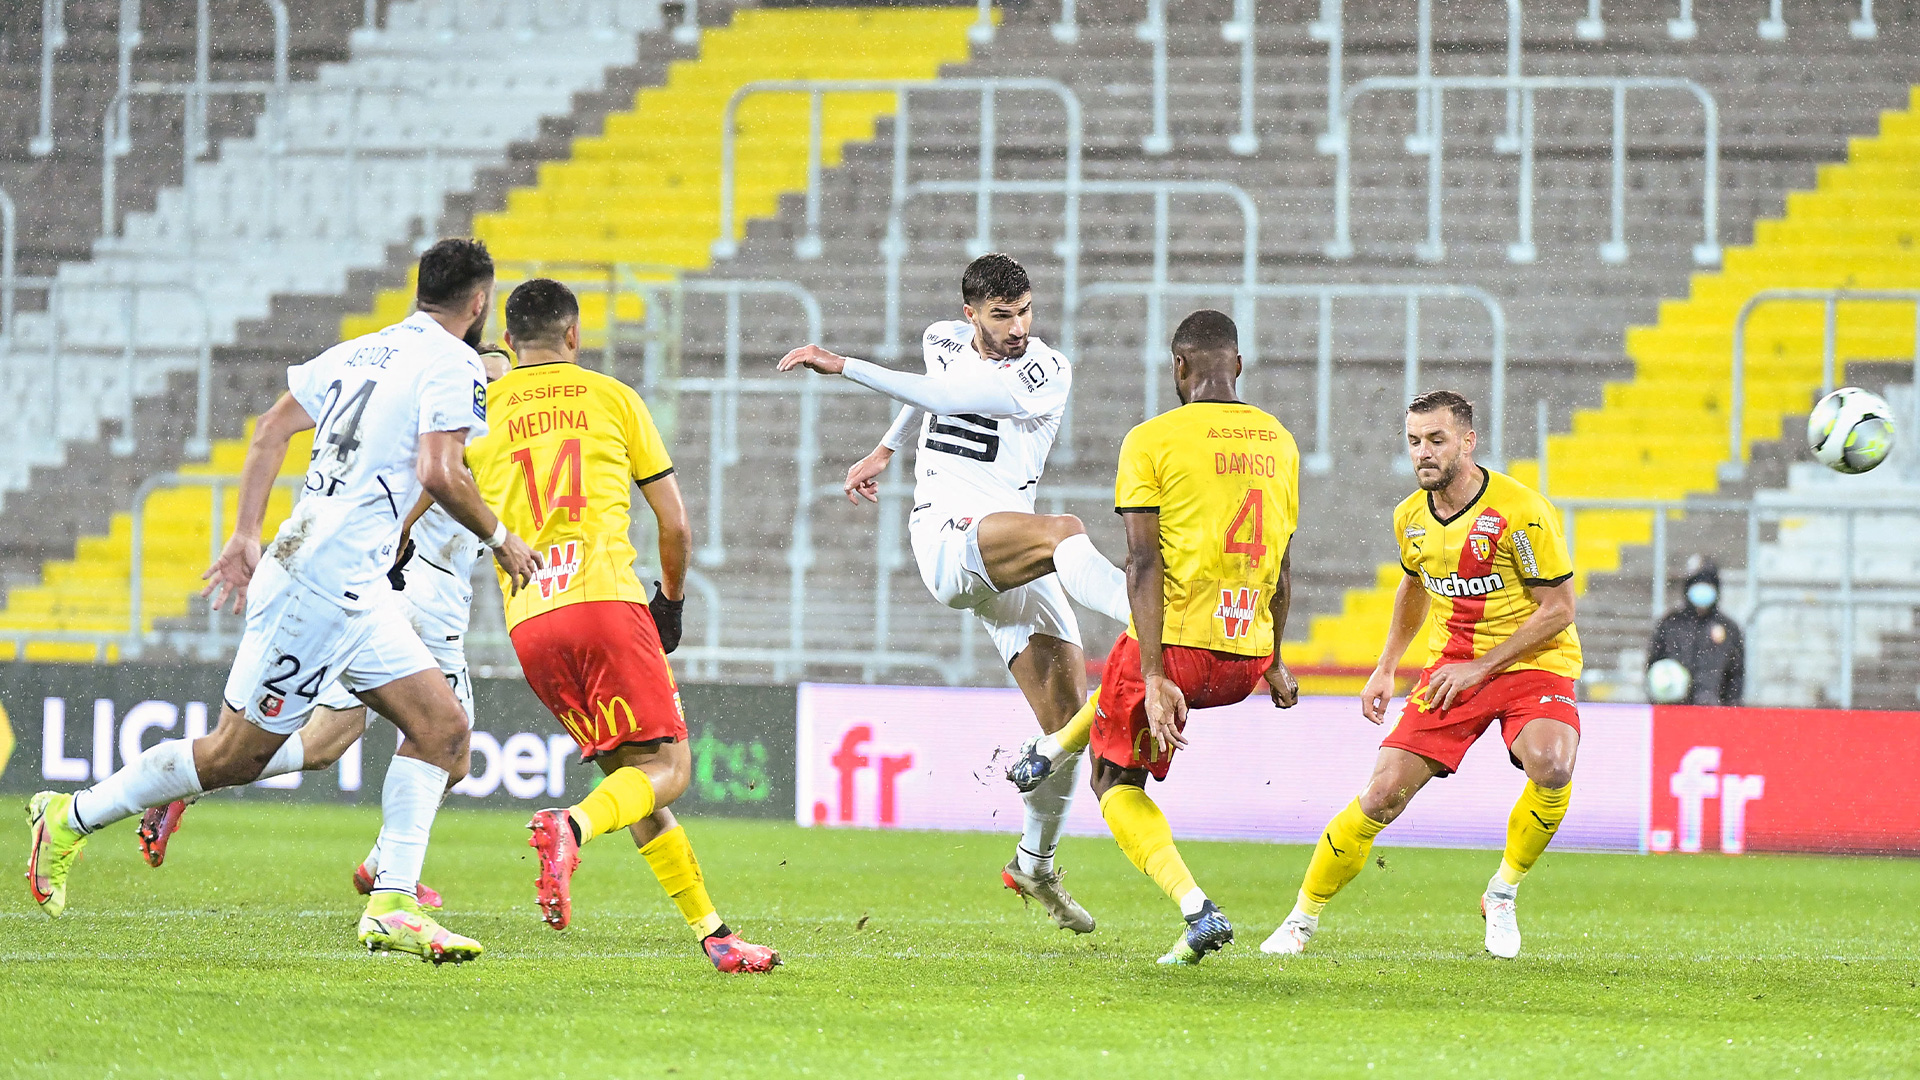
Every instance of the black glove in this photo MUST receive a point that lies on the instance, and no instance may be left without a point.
(394, 576)
(666, 617)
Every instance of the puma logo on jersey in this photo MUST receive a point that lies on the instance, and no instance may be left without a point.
(1236, 611)
(1453, 585)
(563, 561)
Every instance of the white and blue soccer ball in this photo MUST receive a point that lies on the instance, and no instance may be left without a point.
(1668, 681)
(1851, 430)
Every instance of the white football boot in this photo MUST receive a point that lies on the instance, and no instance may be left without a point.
(1503, 925)
(1292, 936)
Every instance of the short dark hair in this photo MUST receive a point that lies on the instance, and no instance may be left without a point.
(539, 312)
(994, 277)
(1206, 330)
(450, 270)
(1434, 400)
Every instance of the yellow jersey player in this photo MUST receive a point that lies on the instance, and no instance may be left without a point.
(1210, 493)
(1488, 572)
(565, 449)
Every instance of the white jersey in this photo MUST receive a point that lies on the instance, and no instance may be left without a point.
(371, 399)
(439, 577)
(976, 465)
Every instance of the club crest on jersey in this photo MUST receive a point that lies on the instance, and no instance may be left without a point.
(563, 562)
(1453, 585)
(1482, 547)
(1236, 611)
(270, 704)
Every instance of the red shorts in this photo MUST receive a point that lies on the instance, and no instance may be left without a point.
(598, 667)
(1512, 697)
(1208, 679)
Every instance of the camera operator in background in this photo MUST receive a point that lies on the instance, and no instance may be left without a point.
(1701, 639)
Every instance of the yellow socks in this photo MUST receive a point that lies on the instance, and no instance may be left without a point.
(1144, 835)
(1338, 857)
(624, 797)
(671, 857)
(1536, 817)
(1079, 730)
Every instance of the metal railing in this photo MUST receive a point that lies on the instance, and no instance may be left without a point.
(1830, 300)
(130, 352)
(1509, 141)
(1245, 296)
(1592, 27)
(9, 283)
(1846, 595)
(894, 247)
(53, 38)
(1240, 29)
(808, 246)
(1434, 88)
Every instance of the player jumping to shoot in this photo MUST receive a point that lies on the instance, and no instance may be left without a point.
(567, 448)
(985, 416)
(1487, 570)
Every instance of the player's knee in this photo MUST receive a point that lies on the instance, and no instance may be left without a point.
(1555, 771)
(1065, 525)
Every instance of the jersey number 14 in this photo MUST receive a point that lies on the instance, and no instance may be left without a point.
(565, 469)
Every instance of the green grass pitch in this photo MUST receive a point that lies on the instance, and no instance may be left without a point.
(906, 958)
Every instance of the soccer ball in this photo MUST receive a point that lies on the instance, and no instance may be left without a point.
(1668, 681)
(1851, 430)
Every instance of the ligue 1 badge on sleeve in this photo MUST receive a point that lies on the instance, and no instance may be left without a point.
(480, 400)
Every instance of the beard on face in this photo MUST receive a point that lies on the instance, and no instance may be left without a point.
(1447, 472)
(476, 333)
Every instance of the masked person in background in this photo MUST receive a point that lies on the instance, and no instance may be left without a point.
(1701, 639)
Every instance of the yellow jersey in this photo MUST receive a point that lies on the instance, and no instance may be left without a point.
(563, 450)
(1225, 480)
(1479, 567)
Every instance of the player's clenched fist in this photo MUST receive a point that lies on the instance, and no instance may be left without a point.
(816, 358)
(1281, 684)
(518, 560)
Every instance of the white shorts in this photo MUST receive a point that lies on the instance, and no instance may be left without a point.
(297, 642)
(948, 551)
(449, 653)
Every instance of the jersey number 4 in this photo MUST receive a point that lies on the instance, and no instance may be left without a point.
(565, 469)
(1253, 518)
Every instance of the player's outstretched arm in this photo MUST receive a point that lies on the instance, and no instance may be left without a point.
(941, 397)
(1554, 614)
(676, 544)
(1409, 611)
(230, 573)
(1281, 684)
(1147, 596)
(442, 468)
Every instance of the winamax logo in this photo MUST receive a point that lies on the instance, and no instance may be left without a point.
(1237, 610)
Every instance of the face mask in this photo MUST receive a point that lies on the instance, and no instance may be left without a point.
(1701, 594)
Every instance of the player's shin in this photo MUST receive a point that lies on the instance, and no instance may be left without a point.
(1535, 818)
(408, 802)
(1146, 838)
(1090, 579)
(157, 777)
(671, 857)
(1046, 815)
(622, 798)
(1338, 857)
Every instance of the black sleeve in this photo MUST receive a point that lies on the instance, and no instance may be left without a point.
(1733, 685)
(1661, 646)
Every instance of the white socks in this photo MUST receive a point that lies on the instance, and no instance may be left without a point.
(290, 758)
(1046, 817)
(1089, 578)
(408, 803)
(1502, 888)
(155, 778)
(1191, 903)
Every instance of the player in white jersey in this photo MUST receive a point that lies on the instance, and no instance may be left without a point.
(433, 587)
(984, 417)
(391, 413)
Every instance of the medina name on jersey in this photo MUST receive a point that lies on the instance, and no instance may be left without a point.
(967, 460)
(371, 399)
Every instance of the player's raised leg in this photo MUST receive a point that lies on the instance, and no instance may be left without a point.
(1341, 852)
(1546, 749)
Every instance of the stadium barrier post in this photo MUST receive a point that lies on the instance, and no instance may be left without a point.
(1508, 142)
(1774, 26)
(1330, 29)
(1591, 27)
(1659, 565)
(1863, 28)
(1682, 27)
(688, 30)
(1154, 31)
(981, 32)
(1434, 248)
(1540, 432)
(1522, 250)
(53, 38)
(1615, 249)
(1241, 30)
(1066, 30)
(1421, 140)
(8, 239)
